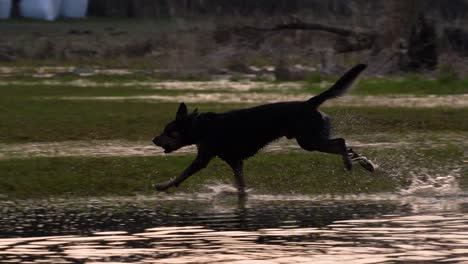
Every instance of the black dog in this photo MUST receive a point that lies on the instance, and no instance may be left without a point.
(236, 135)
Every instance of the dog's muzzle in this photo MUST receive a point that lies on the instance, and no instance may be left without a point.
(157, 141)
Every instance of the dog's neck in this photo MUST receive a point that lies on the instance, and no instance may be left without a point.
(194, 121)
(199, 123)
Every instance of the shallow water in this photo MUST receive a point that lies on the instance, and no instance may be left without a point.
(216, 227)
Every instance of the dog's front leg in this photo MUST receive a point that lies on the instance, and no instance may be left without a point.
(200, 162)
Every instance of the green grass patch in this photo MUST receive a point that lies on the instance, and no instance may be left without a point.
(302, 173)
(59, 120)
(32, 92)
(298, 173)
(26, 118)
(39, 92)
(134, 75)
(413, 85)
(445, 84)
(69, 120)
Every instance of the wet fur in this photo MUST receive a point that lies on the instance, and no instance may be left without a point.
(237, 135)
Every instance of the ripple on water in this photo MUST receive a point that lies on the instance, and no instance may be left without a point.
(304, 229)
(360, 242)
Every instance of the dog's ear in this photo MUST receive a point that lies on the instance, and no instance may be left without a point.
(182, 112)
(195, 111)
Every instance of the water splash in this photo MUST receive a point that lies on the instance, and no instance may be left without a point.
(425, 183)
(219, 188)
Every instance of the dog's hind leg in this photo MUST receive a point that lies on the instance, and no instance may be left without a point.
(332, 146)
(238, 169)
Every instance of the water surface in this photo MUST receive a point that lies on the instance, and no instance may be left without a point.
(216, 227)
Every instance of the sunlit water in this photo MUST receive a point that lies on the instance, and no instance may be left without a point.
(215, 226)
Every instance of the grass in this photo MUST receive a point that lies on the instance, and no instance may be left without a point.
(303, 173)
(445, 84)
(25, 118)
(128, 176)
(140, 74)
(41, 121)
(35, 93)
(31, 92)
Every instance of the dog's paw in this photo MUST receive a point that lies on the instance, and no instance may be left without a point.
(363, 161)
(162, 186)
(367, 164)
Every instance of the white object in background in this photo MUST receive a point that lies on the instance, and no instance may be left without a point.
(5, 9)
(40, 9)
(74, 8)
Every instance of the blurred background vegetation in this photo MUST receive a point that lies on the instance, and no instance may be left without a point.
(206, 37)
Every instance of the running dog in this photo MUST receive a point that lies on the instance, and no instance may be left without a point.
(237, 135)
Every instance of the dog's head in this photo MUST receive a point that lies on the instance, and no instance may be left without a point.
(177, 133)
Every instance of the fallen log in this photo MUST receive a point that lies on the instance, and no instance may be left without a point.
(348, 40)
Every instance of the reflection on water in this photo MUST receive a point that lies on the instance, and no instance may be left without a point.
(218, 228)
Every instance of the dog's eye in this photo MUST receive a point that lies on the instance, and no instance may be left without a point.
(174, 134)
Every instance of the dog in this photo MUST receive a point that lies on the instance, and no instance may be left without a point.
(239, 134)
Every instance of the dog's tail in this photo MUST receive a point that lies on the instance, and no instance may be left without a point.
(340, 87)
